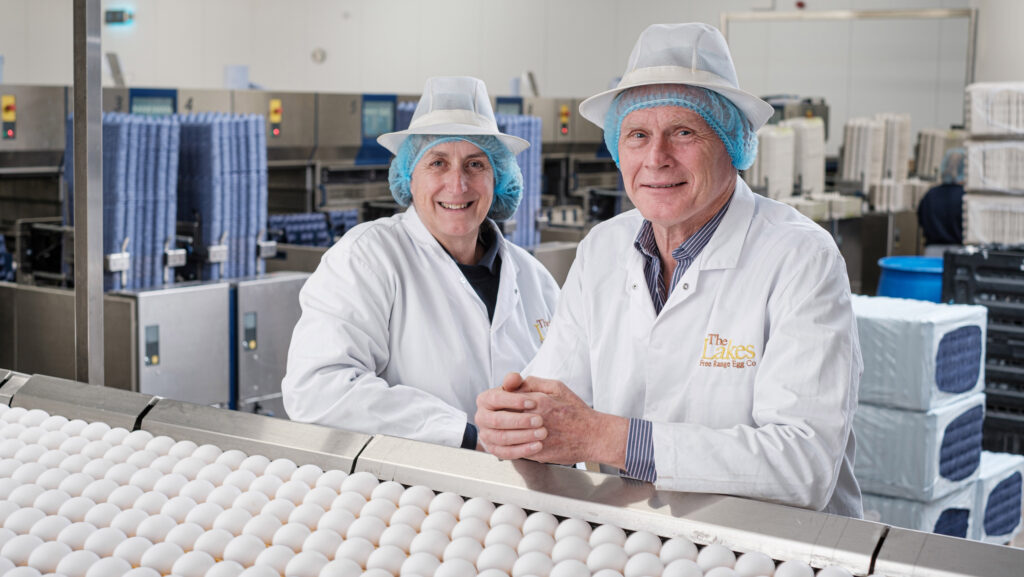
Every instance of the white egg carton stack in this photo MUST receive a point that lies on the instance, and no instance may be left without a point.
(919, 355)
(952, 515)
(841, 206)
(896, 161)
(995, 166)
(997, 495)
(995, 108)
(87, 500)
(918, 455)
(863, 150)
(773, 167)
(990, 218)
(809, 153)
(932, 145)
(816, 210)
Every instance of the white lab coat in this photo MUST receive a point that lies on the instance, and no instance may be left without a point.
(393, 339)
(749, 373)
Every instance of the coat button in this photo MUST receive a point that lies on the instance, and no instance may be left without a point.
(634, 286)
(686, 286)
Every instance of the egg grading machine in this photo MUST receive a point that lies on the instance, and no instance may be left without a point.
(783, 533)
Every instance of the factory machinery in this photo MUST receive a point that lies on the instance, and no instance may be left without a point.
(194, 490)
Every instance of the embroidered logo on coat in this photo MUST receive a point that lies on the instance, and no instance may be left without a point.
(542, 328)
(723, 353)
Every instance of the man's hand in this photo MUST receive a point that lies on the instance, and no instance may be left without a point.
(503, 426)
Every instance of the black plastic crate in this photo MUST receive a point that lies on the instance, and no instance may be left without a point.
(1003, 433)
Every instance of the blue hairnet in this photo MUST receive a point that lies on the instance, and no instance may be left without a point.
(722, 116)
(508, 178)
(953, 166)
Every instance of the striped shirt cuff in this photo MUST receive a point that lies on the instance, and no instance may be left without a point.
(640, 451)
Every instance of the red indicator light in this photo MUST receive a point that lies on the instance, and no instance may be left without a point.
(10, 133)
(565, 130)
(277, 131)
(9, 108)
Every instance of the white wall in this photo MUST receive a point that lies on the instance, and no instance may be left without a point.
(574, 47)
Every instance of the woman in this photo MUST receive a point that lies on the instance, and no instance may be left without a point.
(408, 318)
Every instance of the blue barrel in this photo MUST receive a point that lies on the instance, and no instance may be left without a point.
(911, 277)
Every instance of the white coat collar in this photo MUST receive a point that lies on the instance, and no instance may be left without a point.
(419, 233)
(725, 247)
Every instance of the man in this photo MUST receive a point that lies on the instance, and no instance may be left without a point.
(941, 212)
(706, 341)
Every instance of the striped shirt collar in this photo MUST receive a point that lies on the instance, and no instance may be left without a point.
(690, 248)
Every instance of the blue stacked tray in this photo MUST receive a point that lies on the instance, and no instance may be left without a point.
(529, 129)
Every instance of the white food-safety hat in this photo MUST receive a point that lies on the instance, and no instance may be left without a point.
(695, 54)
(454, 106)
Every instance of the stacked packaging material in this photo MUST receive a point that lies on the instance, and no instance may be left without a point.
(994, 203)
(809, 153)
(140, 180)
(895, 195)
(932, 145)
(342, 221)
(919, 421)
(841, 206)
(223, 171)
(773, 167)
(529, 129)
(863, 147)
(896, 161)
(998, 497)
(308, 229)
(816, 210)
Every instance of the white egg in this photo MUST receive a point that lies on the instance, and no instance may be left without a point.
(129, 520)
(417, 495)
(232, 520)
(251, 501)
(293, 491)
(8, 465)
(74, 427)
(121, 473)
(29, 454)
(677, 548)
(75, 535)
(500, 557)
(409, 515)
(132, 549)
(355, 549)
(794, 569)
(263, 526)
(125, 496)
(383, 509)
(305, 564)
(503, 535)
(99, 490)
(332, 479)
(170, 484)
(242, 478)
(53, 439)
(753, 564)
(268, 484)
(45, 557)
(447, 502)
(8, 486)
(6, 508)
(369, 528)
(715, 555)
(96, 449)
(350, 501)
(224, 495)
(378, 573)
(607, 534)
(164, 463)
(142, 572)
(156, 527)
(151, 502)
(189, 467)
(834, 571)
(119, 454)
(390, 490)
(492, 573)
(109, 566)
(34, 417)
(322, 496)
(536, 542)
(104, 540)
(571, 547)
(49, 527)
(225, 569)
(573, 528)
(232, 458)
(76, 563)
(94, 431)
(279, 508)
(53, 423)
(21, 521)
(277, 557)
(161, 557)
(26, 495)
(216, 473)
(532, 563)
(682, 568)
(508, 515)
(455, 568)
(213, 542)
(259, 571)
(182, 449)
(18, 549)
(540, 521)
(116, 435)
(570, 568)
(324, 542)
(74, 445)
(720, 572)
(255, 463)
(193, 564)
(184, 535)
(137, 439)
(477, 507)
(13, 414)
(442, 521)
(178, 508)
(307, 514)
(281, 468)
(642, 542)
(244, 549)
(416, 564)
(429, 541)
(292, 535)
(145, 479)
(400, 536)
(463, 548)
(52, 459)
(101, 514)
(208, 453)
(388, 558)
(308, 474)
(607, 556)
(142, 458)
(204, 515)
(51, 500)
(334, 520)
(160, 445)
(361, 482)
(197, 490)
(643, 564)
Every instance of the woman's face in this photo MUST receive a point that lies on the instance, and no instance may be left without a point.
(452, 189)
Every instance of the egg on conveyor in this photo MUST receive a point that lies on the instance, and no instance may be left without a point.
(753, 564)
(794, 568)
(305, 564)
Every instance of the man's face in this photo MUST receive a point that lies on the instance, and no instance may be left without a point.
(675, 168)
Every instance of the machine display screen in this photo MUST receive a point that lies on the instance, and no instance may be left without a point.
(153, 105)
(509, 107)
(378, 117)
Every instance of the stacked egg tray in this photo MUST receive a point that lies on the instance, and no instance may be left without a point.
(99, 482)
